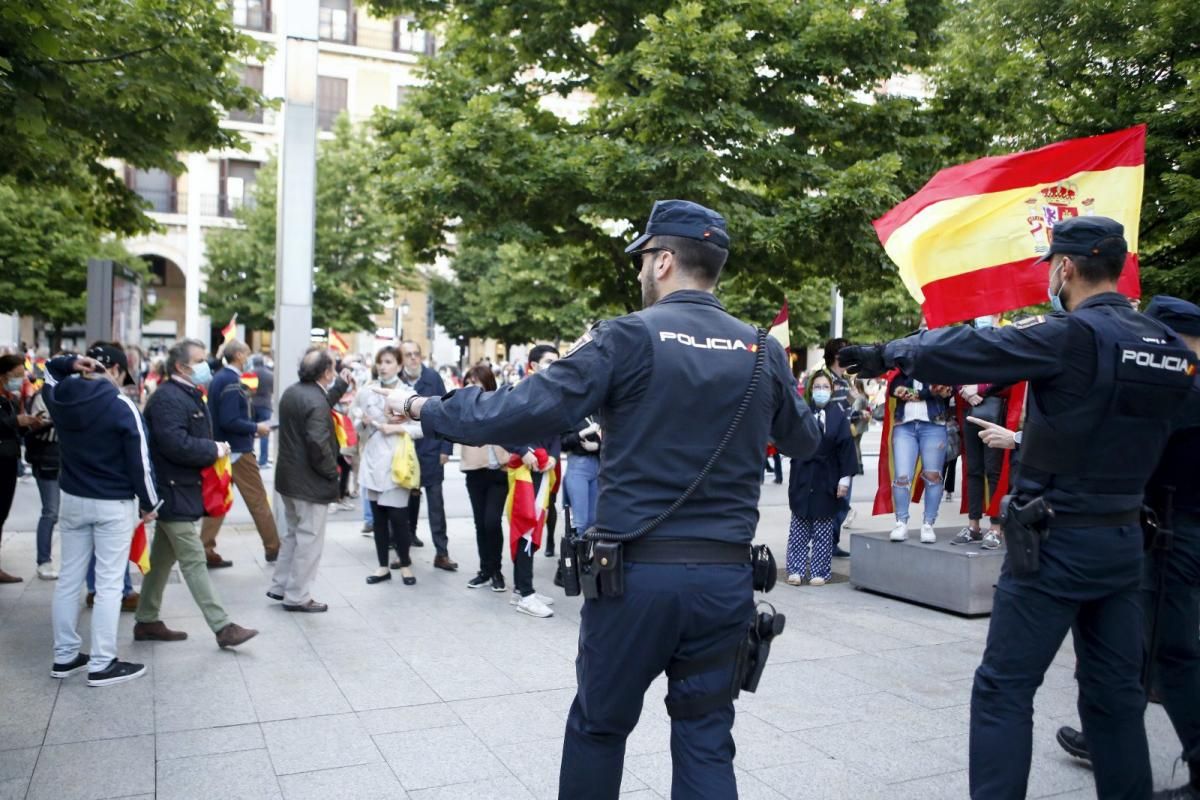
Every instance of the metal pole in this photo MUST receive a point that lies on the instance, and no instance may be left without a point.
(835, 313)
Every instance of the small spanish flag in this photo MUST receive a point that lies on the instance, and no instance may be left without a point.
(967, 241)
(779, 329)
(250, 380)
(229, 332)
(216, 487)
(139, 549)
(337, 343)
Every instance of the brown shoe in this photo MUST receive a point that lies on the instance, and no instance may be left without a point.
(156, 631)
(130, 601)
(271, 555)
(233, 634)
(6, 578)
(311, 607)
(444, 562)
(216, 562)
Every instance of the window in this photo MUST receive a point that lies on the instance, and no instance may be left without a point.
(157, 187)
(252, 14)
(402, 95)
(407, 37)
(337, 21)
(331, 100)
(237, 185)
(252, 77)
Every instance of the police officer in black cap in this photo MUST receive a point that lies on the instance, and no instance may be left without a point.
(668, 381)
(1104, 383)
(1171, 588)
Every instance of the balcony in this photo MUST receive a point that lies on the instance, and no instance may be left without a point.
(237, 115)
(163, 201)
(400, 39)
(224, 205)
(252, 16)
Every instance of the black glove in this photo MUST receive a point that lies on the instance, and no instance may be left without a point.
(863, 360)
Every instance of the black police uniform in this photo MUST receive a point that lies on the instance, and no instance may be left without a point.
(667, 381)
(1104, 381)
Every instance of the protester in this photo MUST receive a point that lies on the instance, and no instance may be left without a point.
(986, 402)
(815, 485)
(540, 357)
(849, 394)
(181, 445)
(41, 451)
(433, 452)
(12, 426)
(105, 477)
(264, 405)
(306, 477)
(918, 431)
(582, 479)
(231, 405)
(487, 486)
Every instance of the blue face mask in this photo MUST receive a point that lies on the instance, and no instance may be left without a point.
(983, 322)
(13, 385)
(1056, 302)
(201, 374)
(821, 397)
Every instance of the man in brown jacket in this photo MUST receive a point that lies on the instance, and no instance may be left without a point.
(306, 477)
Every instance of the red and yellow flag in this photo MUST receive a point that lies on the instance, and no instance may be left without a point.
(216, 486)
(779, 329)
(966, 242)
(229, 332)
(139, 549)
(250, 380)
(528, 501)
(337, 343)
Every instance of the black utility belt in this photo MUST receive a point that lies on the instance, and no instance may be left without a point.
(1113, 520)
(686, 551)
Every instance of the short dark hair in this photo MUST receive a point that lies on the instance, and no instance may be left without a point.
(180, 354)
(316, 362)
(701, 260)
(389, 350)
(483, 376)
(10, 362)
(536, 353)
(1099, 268)
(832, 347)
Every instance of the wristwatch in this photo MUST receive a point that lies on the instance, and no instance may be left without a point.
(1017, 437)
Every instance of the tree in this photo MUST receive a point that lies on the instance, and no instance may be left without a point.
(1018, 74)
(357, 260)
(85, 81)
(45, 243)
(774, 113)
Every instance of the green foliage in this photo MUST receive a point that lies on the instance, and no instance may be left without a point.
(83, 81)
(886, 312)
(770, 111)
(357, 258)
(1021, 73)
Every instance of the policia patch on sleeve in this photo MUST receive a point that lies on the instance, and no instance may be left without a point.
(580, 342)
(1028, 322)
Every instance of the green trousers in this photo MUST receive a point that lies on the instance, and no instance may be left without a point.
(179, 541)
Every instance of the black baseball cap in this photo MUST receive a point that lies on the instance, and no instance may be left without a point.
(1178, 315)
(683, 218)
(1087, 236)
(109, 356)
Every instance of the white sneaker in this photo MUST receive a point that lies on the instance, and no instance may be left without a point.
(927, 534)
(543, 599)
(534, 607)
(816, 581)
(849, 521)
(899, 532)
(794, 580)
(47, 572)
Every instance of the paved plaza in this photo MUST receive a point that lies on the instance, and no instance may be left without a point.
(435, 692)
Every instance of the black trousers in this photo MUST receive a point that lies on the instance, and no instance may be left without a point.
(8, 488)
(344, 470)
(983, 462)
(488, 489)
(437, 516)
(391, 529)
(523, 568)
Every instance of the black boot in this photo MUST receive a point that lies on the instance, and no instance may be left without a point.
(1073, 742)
(550, 546)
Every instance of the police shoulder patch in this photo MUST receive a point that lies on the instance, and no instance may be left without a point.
(1028, 322)
(579, 343)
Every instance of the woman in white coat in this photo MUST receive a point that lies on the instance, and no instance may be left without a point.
(389, 502)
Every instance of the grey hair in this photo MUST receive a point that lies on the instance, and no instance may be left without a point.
(180, 354)
(234, 348)
(314, 365)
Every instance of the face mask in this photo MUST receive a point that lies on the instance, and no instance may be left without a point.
(14, 385)
(983, 322)
(201, 374)
(1056, 302)
(821, 397)
(389, 381)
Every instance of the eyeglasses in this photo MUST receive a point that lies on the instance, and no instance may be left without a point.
(636, 255)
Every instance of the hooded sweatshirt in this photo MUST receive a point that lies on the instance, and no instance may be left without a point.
(102, 437)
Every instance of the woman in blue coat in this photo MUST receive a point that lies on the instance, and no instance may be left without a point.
(816, 484)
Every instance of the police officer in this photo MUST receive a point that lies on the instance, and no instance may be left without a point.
(668, 381)
(1176, 669)
(1104, 381)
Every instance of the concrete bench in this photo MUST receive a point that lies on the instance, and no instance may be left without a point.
(958, 578)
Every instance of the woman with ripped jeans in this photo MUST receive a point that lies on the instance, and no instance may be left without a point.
(918, 429)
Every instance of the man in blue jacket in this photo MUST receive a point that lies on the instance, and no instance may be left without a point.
(105, 479)
(432, 452)
(231, 404)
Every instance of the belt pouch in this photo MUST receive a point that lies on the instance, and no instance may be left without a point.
(608, 562)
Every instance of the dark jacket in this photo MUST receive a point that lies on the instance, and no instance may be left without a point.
(572, 443)
(10, 434)
(232, 415)
(308, 448)
(938, 407)
(181, 444)
(265, 393)
(41, 445)
(430, 449)
(101, 435)
(812, 487)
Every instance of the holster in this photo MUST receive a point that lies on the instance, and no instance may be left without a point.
(1025, 528)
(592, 568)
(568, 564)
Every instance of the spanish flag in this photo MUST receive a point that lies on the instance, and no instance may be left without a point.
(229, 332)
(528, 501)
(216, 487)
(250, 380)
(337, 343)
(139, 549)
(779, 329)
(966, 242)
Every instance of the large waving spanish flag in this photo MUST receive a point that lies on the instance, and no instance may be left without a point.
(966, 242)
(528, 502)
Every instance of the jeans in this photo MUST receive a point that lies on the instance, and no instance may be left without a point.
(263, 414)
(929, 440)
(105, 527)
(48, 489)
(180, 540)
(583, 489)
(126, 589)
(368, 512)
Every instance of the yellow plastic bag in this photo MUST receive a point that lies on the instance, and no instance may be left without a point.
(406, 470)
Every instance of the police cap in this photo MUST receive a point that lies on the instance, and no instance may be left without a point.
(1087, 236)
(683, 218)
(1178, 315)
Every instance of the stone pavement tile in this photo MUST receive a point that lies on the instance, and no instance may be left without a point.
(425, 759)
(1049, 776)
(246, 775)
(16, 768)
(462, 677)
(641, 794)
(98, 769)
(491, 719)
(816, 780)
(912, 633)
(377, 678)
(536, 763)
(801, 645)
(492, 789)
(363, 782)
(814, 677)
(950, 659)
(653, 731)
(318, 743)
(409, 718)
(289, 690)
(950, 786)
(760, 745)
(204, 695)
(889, 758)
(885, 673)
(804, 710)
(208, 741)
(751, 788)
(557, 700)
(82, 713)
